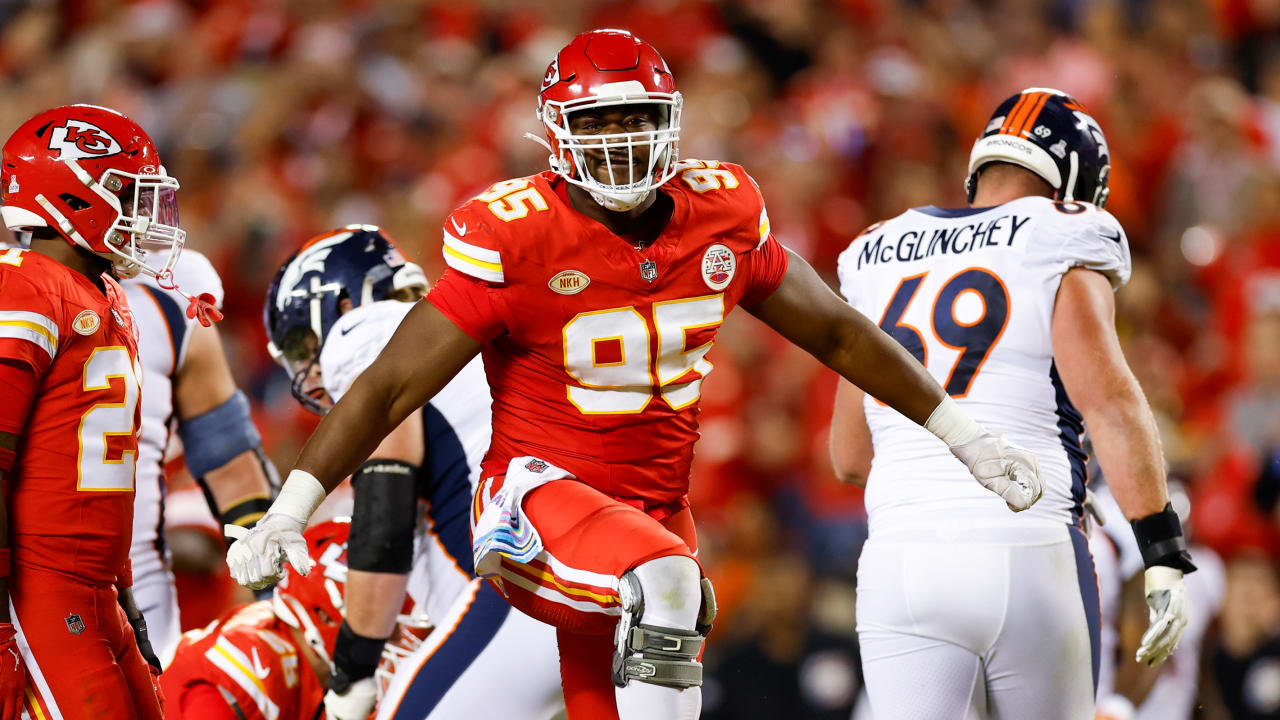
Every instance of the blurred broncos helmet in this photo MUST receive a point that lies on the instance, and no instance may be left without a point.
(359, 263)
(315, 604)
(604, 68)
(94, 176)
(1051, 134)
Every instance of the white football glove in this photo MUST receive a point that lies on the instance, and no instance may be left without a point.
(1003, 468)
(1167, 598)
(1094, 516)
(257, 558)
(355, 704)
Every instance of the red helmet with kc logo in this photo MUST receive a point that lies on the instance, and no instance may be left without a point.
(606, 68)
(93, 176)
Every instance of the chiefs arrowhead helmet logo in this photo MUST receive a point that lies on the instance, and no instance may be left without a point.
(78, 139)
(553, 74)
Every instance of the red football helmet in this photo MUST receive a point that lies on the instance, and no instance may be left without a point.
(94, 176)
(316, 605)
(607, 68)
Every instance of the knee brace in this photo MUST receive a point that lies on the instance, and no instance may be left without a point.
(658, 654)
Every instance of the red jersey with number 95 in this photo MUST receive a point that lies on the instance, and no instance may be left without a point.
(595, 351)
(69, 378)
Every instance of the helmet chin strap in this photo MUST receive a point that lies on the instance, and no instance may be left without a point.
(618, 203)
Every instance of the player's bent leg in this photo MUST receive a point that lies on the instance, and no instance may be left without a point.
(589, 692)
(658, 640)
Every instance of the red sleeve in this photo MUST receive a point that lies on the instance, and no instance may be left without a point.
(473, 306)
(765, 267)
(18, 385)
(203, 701)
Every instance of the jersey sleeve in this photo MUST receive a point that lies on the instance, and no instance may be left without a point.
(1091, 238)
(766, 264)
(195, 274)
(206, 701)
(247, 669)
(29, 336)
(473, 306)
(471, 246)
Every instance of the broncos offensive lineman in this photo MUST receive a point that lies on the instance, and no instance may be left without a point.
(595, 290)
(187, 383)
(1008, 303)
(331, 309)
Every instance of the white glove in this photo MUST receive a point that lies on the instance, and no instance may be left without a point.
(1094, 516)
(1167, 598)
(257, 558)
(355, 704)
(1003, 468)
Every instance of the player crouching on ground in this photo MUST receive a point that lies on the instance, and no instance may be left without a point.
(270, 660)
(594, 291)
(88, 185)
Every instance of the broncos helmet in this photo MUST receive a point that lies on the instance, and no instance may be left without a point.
(357, 263)
(1051, 134)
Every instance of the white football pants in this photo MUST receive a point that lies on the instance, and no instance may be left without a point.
(157, 598)
(983, 623)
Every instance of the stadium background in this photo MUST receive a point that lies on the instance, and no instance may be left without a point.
(283, 118)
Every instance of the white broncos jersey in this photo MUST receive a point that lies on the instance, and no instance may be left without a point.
(457, 428)
(971, 294)
(164, 331)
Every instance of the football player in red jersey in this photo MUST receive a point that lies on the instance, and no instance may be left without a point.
(270, 660)
(88, 185)
(594, 292)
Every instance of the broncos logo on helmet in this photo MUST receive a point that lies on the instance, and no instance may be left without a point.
(329, 275)
(1051, 134)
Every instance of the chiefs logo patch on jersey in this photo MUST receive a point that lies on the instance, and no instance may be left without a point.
(718, 266)
(569, 282)
(78, 140)
(86, 323)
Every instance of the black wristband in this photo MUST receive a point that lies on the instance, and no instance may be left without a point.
(355, 657)
(246, 513)
(1161, 542)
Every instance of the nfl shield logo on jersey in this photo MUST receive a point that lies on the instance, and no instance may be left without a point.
(535, 466)
(75, 624)
(718, 266)
(649, 271)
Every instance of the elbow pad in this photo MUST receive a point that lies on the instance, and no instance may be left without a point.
(214, 438)
(384, 517)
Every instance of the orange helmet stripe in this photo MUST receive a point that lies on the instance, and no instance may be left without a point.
(1030, 120)
(1013, 112)
(1018, 118)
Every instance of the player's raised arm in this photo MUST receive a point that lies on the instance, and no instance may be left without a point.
(1093, 370)
(425, 353)
(806, 312)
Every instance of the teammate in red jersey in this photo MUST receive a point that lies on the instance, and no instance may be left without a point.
(594, 292)
(88, 184)
(270, 660)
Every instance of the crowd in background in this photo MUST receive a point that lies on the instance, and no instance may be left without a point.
(284, 118)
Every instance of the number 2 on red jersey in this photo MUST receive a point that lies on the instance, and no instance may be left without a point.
(101, 464)
(973, 339)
